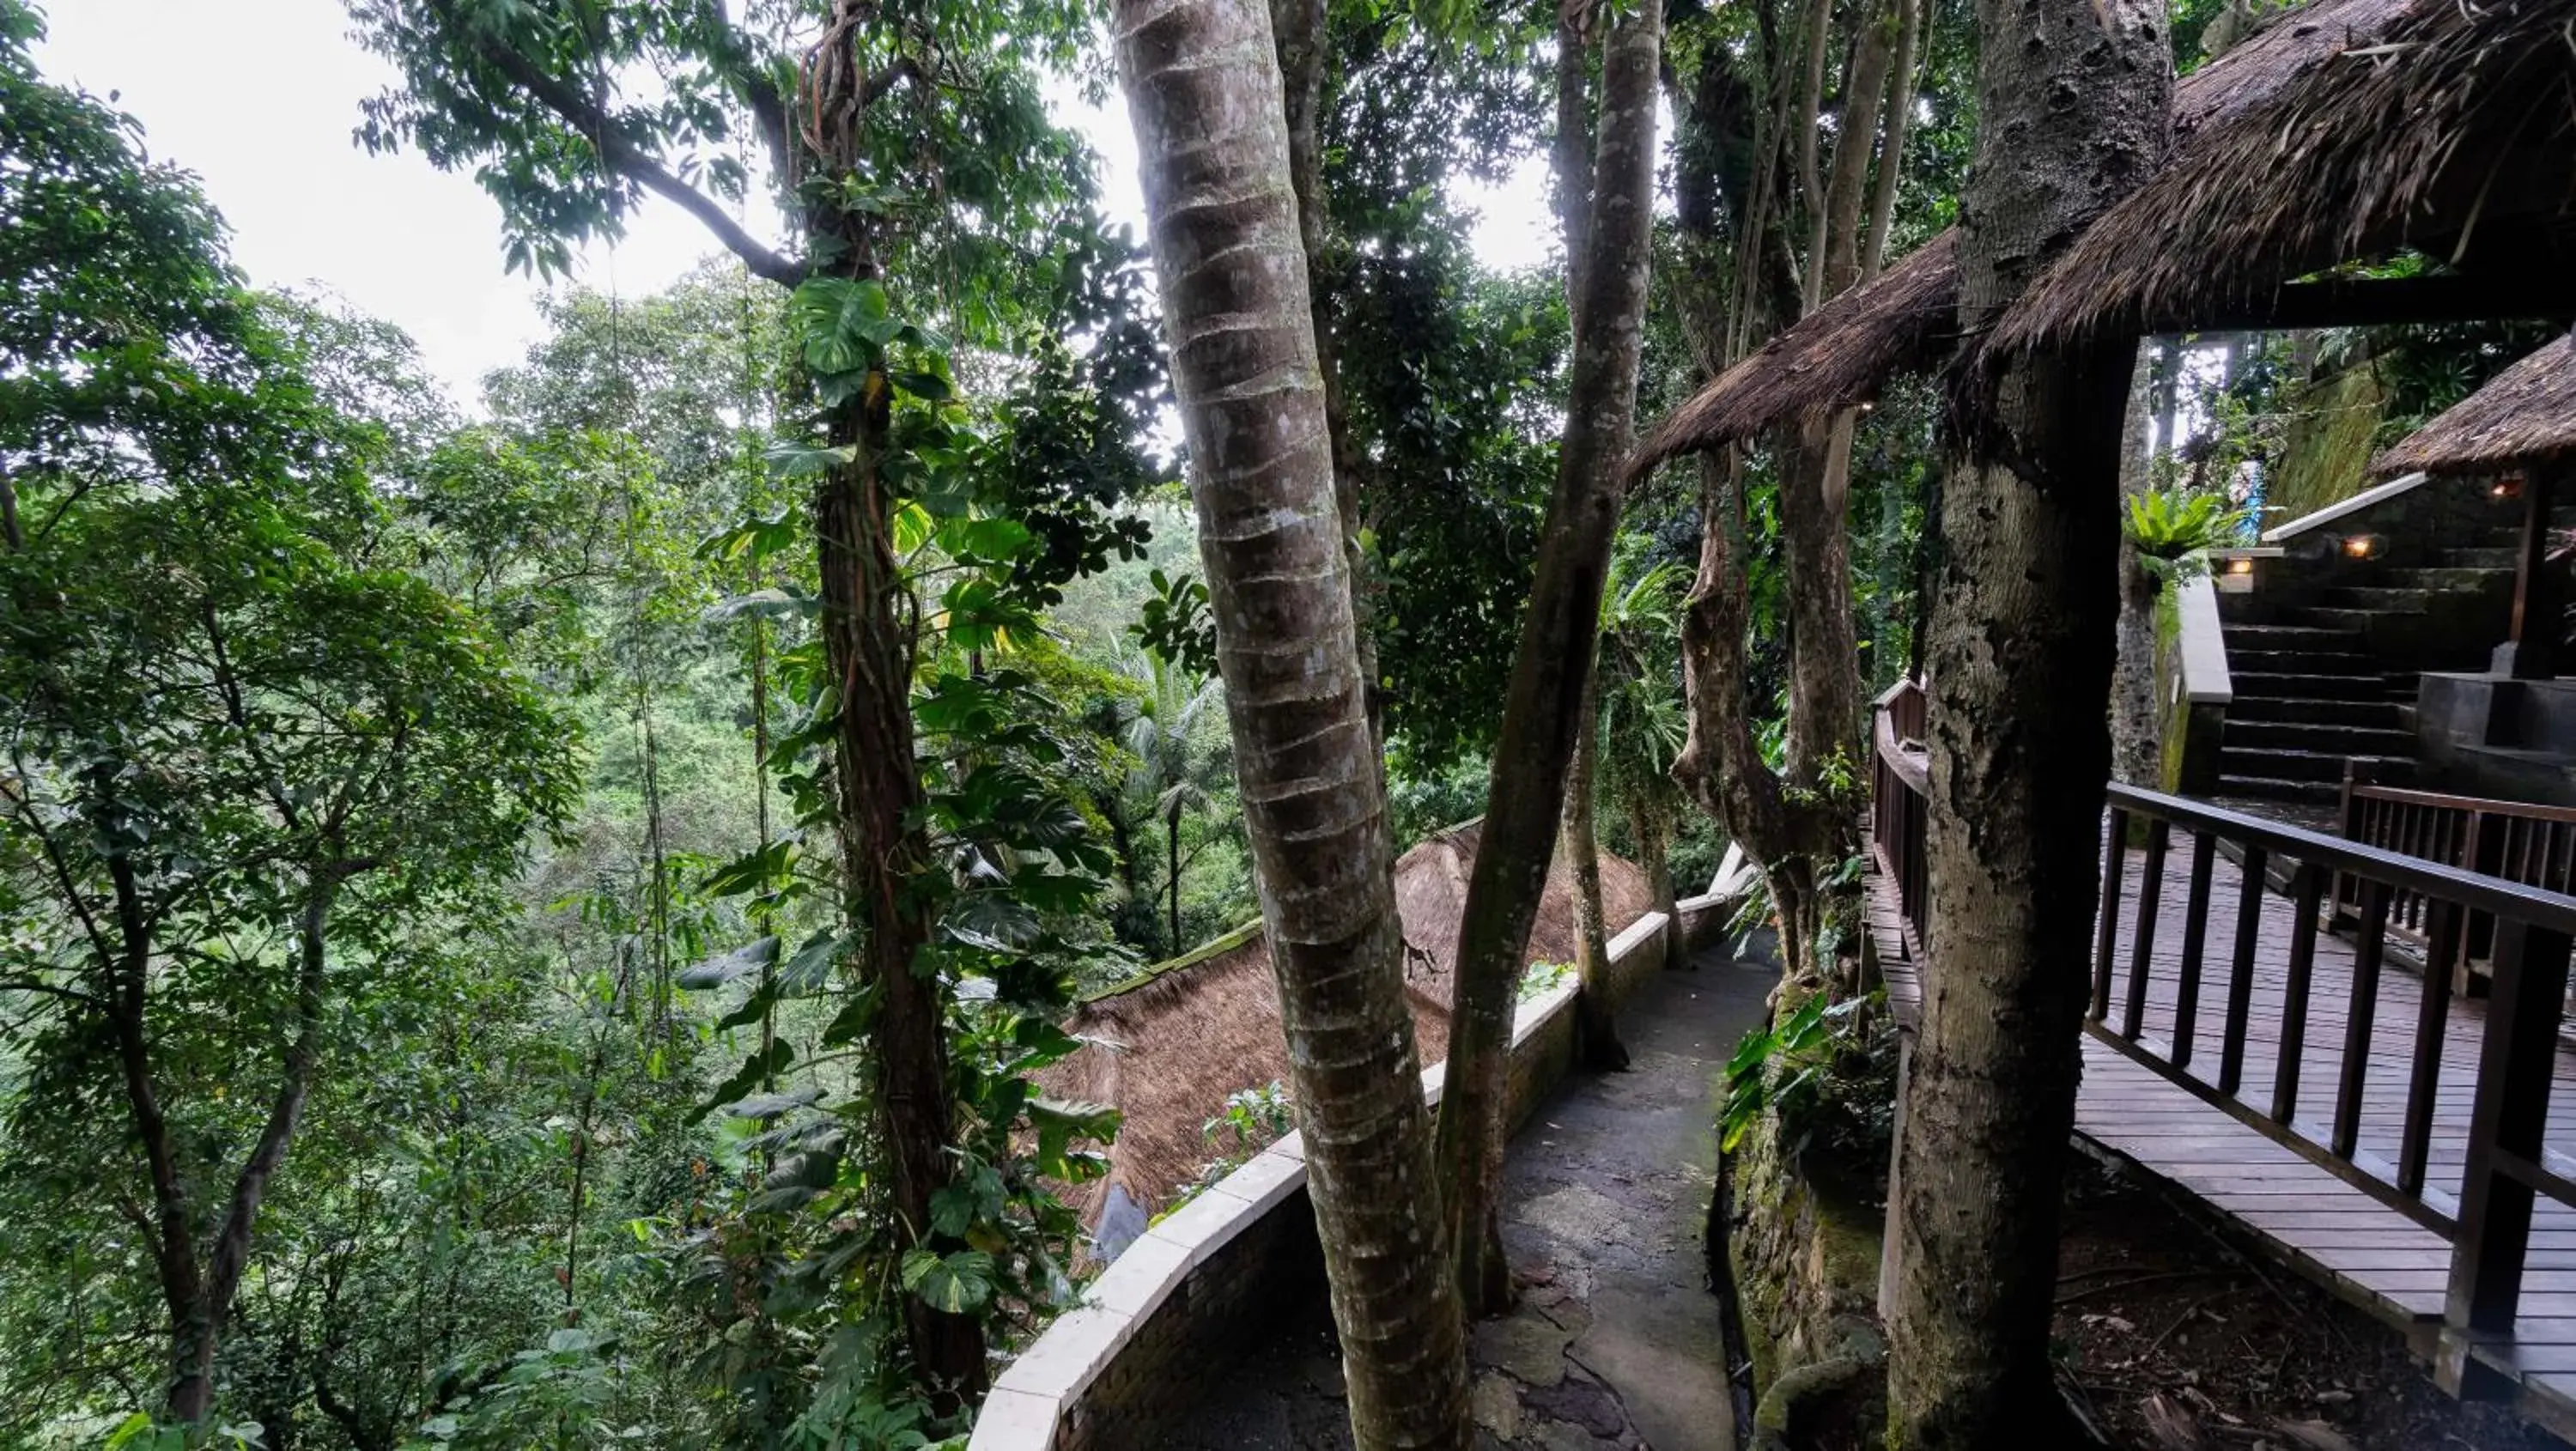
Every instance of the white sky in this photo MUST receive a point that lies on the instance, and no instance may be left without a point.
(259, 98)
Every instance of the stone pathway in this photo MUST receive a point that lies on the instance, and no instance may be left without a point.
(1616, 1342)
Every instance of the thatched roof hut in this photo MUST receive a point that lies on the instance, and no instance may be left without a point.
(2454, 135)
(1907, 317)
(1168, 1047)
(2525, 416)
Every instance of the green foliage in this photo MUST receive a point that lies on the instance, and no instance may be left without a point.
(1174, 626)
(1448, 371)
(1541, 978)
(1826, 1070)
(2173, 530)
(1253, 1119)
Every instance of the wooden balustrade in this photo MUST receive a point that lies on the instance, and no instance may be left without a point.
(1898, 801)
(2533, 845)
(2166, 972)
(2271, 1001)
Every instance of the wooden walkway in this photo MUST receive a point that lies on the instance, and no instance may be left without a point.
(2331, 1231)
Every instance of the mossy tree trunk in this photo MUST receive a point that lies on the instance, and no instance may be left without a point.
(1203, 91)
(2073, 100)
(2137, 754)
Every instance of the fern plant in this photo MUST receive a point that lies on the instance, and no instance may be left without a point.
(2173, 530)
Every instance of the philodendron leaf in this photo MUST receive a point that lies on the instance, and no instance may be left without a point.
(958, 1284)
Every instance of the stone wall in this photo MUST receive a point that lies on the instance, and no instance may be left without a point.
(1113, 1371)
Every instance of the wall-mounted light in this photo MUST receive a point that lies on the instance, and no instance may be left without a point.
(2240, 565)
(2509, 487)
(2362, 546)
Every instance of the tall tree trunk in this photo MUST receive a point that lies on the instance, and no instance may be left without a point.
(1811, 189)
(1598, 1024)
(1824, 651)
(2073, 102)
(1815, 491)
(200, 1300)
(1172, 854)
(1784, 833)
(1203, 93)
(1300, 31)
(1552, 669)
(2137, 755)
(1652, 826)
(884, 853)
(1855, 138)
(1572, 155)
(2168, 392)
(1652, 829)
(1891, 147)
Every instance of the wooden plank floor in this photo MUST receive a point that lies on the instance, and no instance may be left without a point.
(2330, 1230)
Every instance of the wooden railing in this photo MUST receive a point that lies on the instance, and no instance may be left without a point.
(2533, 845)
(2488, 1223)
(1900, 790)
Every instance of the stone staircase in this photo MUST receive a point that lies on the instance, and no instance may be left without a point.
(2317, 684)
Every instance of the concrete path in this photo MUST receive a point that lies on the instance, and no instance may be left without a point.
(1616, 1342)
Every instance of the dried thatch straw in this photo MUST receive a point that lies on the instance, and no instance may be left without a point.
(1167, 1047)
(2525, 415)
(2458, 127)
(1836, 357)
(1907, 318)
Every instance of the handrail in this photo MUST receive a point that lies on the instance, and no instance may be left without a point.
(2343, 508)
(2553, 910)
(2507, 1163)
(2202, 644)
(2530, 844)
(1900, 819)
(2490, 806)
(1914, 768)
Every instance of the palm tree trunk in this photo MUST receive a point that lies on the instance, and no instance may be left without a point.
(2073, 108)
(1203, 92)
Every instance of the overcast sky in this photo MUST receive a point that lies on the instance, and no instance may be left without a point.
(259, 98)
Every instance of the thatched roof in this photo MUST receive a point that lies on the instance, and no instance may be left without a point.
(2525, 415)
(1834, 358)
(2455, 135)
(1167, 1047)
(1907, 318)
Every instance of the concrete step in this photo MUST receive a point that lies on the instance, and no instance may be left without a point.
(2269, 789)
(2302, 662)
(2340, 617)
(2310, 687)
(2279, 765)
(2287, 637)
(2356, 714)
(2292, 735)
(2448, 578)
(2480, 559)
(2378, 599)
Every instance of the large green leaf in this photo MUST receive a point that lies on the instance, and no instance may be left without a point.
(959, 1284)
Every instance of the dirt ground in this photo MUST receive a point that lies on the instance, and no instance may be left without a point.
(2170, 1339)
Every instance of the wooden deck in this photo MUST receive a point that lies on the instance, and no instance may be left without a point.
(2331, 1231)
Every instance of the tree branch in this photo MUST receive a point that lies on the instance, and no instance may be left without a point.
(31, 985)
(620, 154)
